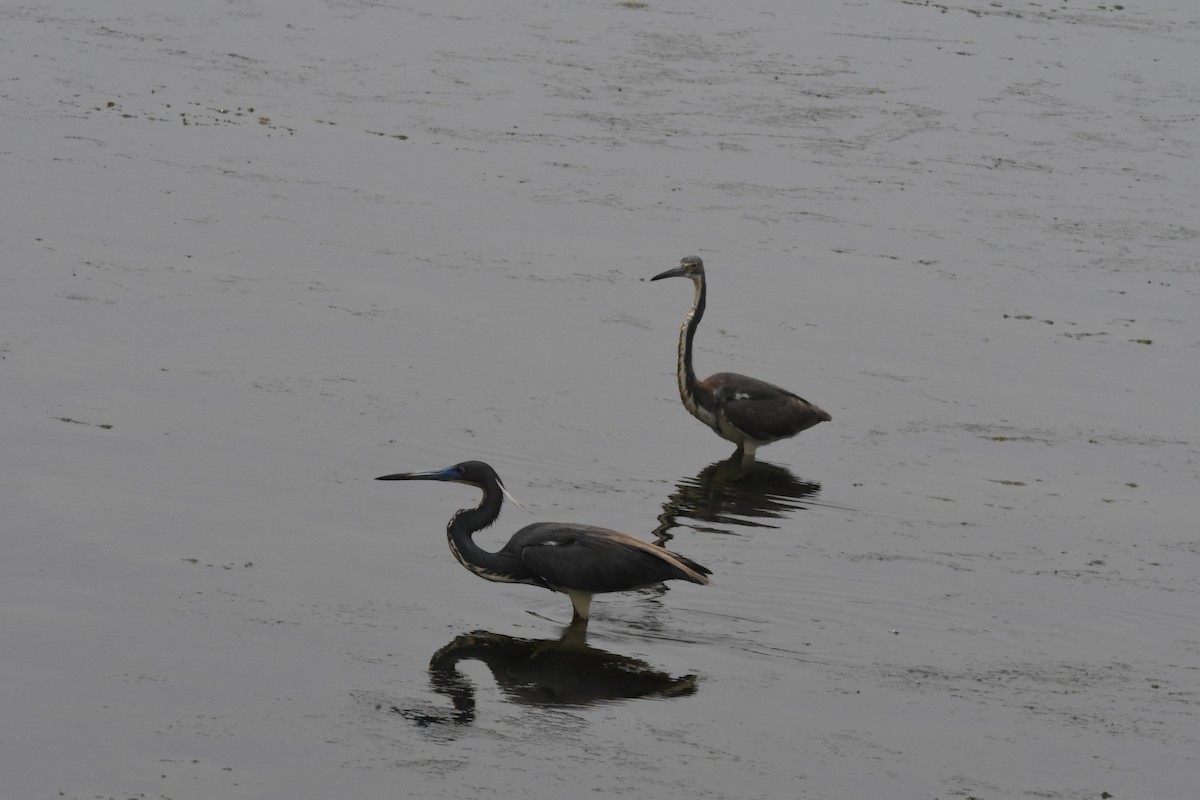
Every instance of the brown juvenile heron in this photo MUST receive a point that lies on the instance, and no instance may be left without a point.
(745, 411)
(577, 560)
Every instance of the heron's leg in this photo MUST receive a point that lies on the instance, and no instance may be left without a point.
(574, 636)
(582, 601)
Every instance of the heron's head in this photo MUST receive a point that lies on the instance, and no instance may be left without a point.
(472, 473)
(689, 267)
(475, 473)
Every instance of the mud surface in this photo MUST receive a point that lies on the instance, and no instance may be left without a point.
(258, 253)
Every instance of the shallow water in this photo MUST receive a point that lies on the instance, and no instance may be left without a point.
(257, 255)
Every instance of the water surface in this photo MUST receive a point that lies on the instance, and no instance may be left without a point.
(257, 255)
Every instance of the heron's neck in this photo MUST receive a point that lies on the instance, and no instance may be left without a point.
(687, 331)
(465, 523)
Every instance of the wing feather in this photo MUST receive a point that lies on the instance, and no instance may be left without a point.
(762, 410)
(596, 559)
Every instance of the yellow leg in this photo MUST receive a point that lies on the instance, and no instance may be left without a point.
(582, 601)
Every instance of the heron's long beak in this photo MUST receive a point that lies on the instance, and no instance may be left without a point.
(447, 474)
(676, 272)
(432, 475)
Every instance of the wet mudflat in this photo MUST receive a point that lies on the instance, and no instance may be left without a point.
(258, 254)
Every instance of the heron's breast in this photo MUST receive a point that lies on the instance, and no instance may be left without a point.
(698, 411)
(727, 431)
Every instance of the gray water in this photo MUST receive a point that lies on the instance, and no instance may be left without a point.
(257, 254)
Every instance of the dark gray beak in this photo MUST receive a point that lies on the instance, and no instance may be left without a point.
(676, 272)
(432, 475)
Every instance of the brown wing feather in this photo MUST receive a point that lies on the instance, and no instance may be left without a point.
(587, 558)
(762, 410)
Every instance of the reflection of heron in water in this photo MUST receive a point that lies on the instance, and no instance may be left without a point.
(543, 672)
(735, 492)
